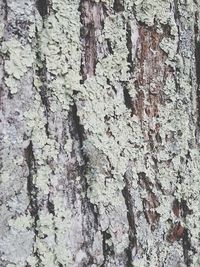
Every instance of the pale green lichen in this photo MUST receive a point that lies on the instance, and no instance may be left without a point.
(115, 142)
(147, 11)
(20, 59)
(114, 66)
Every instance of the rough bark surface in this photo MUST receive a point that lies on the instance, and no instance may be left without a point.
(100, 133)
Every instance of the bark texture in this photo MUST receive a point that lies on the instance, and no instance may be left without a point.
(100, 133)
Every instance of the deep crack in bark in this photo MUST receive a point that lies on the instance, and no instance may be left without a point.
(107, 249)
(129, 46)
(42, 7)
(127, 98)
(6, 9)
(118, 5)
(43, 90)
(89, 209)
(78, 128)
(32, 191)
(131, 221)
(186, 240)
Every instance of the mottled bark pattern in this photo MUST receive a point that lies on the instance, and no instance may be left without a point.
(100, 133)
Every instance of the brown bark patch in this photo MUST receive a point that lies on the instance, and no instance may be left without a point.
(151, 57)
(151, 67)
(91, 18)
(149, 203)
(176, 208)
(177, 232)
(138, 104)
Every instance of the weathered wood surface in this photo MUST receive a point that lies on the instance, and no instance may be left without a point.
(100, 140)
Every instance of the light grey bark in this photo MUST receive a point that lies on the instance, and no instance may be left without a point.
(100, 140)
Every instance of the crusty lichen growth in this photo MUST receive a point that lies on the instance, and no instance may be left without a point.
(100, 169)
(20, 59)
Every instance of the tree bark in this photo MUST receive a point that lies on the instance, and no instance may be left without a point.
(100, 133)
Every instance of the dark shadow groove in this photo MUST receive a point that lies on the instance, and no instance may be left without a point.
(129, 46)
(131, 221)
(118, 6)
(42, 7)
(127, 98)
(32, 191)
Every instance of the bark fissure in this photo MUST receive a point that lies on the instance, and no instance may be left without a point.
(5, 9)
(50, 205)
(176, 11)
(31, 188)
(180, 232)
(107, 249)
(89, 210)
(78, 128)
(42, 7)
(32, 192)
(186, 247)
(84, 205)
(43, 90)
(131, 220)
(129, 46)
(118, 6)
(127, 98)
(186, 240)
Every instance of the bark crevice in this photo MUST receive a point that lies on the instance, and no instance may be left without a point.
(107, 249)
(78, 128)
(129, 46)
(89, 210)
(5, 9)
(186, 240)
(118, 6)
(41, 72)
(32, 192)
(131, 220)
(42, 7)
(127, 98)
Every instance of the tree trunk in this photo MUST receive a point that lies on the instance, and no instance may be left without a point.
(100, 133)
